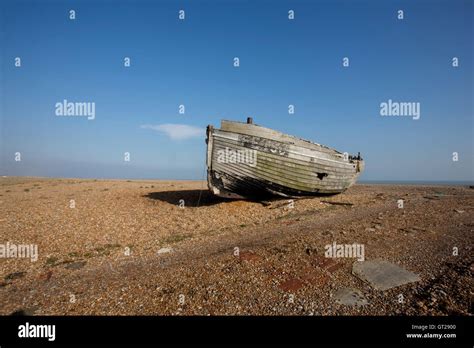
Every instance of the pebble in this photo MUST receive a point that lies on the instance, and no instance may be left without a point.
(164, 251)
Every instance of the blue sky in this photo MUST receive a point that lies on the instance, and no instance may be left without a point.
(190, 62)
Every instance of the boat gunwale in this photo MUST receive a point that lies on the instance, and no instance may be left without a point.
(271, 130)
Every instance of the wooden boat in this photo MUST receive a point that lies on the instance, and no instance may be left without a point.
(245, 160)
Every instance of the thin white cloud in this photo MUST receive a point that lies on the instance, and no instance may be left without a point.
(176, 131)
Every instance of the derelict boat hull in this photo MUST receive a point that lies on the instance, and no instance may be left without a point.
(245, 160)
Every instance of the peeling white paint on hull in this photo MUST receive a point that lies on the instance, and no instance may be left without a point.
(248, 161)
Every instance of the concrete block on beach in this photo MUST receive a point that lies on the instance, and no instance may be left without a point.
(383, 275)
(350, 297)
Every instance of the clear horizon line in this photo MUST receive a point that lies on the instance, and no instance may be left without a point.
(366, 181)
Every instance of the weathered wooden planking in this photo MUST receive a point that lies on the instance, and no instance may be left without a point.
(303, 164)
(282, 149)
(278, 171)
(308, 184)
(233, 183)
(282, 177)
(261, 175)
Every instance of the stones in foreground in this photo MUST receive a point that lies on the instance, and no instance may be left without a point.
(383, 275)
